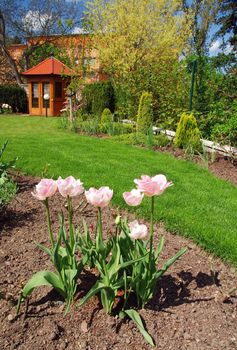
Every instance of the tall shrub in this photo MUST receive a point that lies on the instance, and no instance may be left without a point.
(15, 96)
(98, 96)
(145, 113)
(187, 132)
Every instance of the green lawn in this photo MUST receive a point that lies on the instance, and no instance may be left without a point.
(199, 205)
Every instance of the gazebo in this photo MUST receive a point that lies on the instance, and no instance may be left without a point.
(46, 83)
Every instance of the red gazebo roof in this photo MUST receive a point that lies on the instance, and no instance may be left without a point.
(49, 66)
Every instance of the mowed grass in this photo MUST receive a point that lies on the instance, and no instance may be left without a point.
(199, 205)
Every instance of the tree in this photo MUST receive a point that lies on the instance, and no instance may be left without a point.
(227, 20)
(40, 20)
(139, 42)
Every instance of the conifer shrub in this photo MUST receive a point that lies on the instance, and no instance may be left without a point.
(106, 116)
(145, 113)
(187, 132)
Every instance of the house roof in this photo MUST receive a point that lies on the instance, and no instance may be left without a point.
(47, 67)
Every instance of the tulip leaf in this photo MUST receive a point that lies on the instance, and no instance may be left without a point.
(94, 290)
(41, 278)
(159, 247)
(134, 315)
(168, 263)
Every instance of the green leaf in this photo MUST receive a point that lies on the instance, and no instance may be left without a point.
(170, 262)
(159, 247)
(43, 278)
(44, 249)
(134, 315)
(94, 290)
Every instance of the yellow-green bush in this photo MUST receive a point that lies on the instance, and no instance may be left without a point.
(106, 116)
(145, 113)
(187, 132)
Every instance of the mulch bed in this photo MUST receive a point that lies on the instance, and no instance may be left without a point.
(193, 307)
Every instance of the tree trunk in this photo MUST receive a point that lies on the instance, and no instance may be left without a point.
(5, 51)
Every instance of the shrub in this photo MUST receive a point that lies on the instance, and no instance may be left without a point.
(187, 132)
(106, 116)
(226, 133)
(97, 96)
(7, 191)
(145, 113)
(14, 96)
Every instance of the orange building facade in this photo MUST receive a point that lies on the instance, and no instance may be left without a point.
(47, 80)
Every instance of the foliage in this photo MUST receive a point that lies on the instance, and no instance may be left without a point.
(7, 191)
(139, 50)
(62, 255)
(226, 133)
(106, 116)
(96, 97)
(187, 132)
(116, 128)
(227, 20)
(14, 96)
(7, 186)
(145, 113)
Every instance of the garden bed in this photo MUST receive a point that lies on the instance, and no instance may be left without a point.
(193, 308)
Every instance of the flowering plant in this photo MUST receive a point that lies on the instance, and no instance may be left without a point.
(63, 249)
(6, 108)
(126, 262)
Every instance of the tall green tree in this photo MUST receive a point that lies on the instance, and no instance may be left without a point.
(139, 43)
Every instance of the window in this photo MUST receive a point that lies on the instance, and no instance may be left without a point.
(58, 89)
(35, 95)
(89, 61)
(46, 91)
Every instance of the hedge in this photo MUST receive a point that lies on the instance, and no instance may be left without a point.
(15, 96)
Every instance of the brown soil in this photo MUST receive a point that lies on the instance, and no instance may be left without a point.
(193, 307)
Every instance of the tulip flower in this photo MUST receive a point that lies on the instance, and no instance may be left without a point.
(99, 198)
(70, 187)
(46, 188)
(133, 198)
(152, 186)
(138, 231)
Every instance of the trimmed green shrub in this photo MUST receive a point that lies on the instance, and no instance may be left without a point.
(187, 132)
(98, 96)
(14, 96)
(106, 116)
(145, 113)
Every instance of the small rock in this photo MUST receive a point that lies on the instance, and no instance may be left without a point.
(10, 317)
(84, 327)
(82, 345)
(62, 345)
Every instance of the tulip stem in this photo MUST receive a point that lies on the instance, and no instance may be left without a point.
(151, 227)
(99, 221)
(46, 203)
(70, 214)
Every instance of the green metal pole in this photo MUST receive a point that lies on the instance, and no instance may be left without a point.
(194, 66)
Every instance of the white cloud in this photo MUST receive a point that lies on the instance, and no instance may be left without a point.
(35, 20)
(215, 47)
(78, 30)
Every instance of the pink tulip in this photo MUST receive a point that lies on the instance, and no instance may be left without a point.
(152, 186)
(99, 198)
(46, 188)
(70, 187)
(133, 198)
(138, 231)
